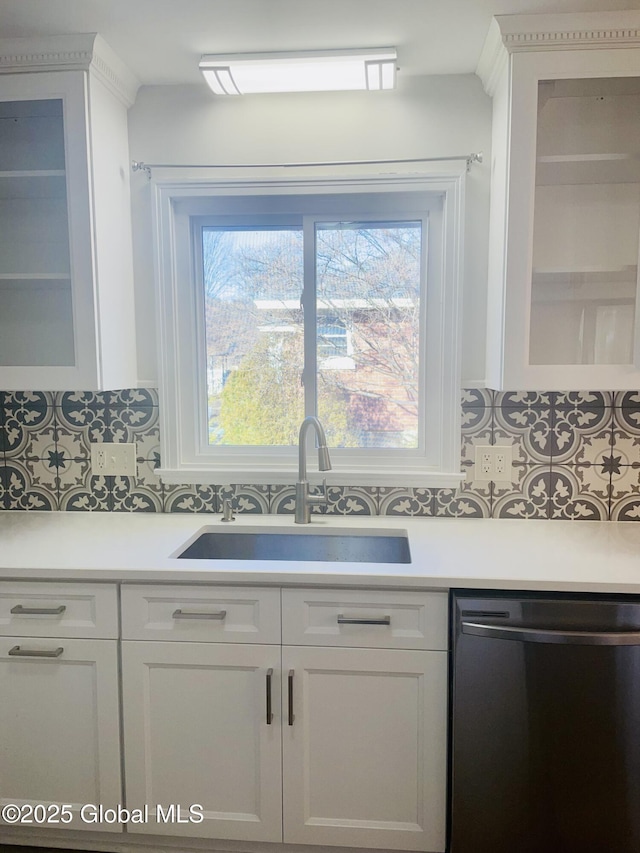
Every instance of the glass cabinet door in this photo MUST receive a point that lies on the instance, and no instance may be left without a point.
(36, 321)
(586, 222)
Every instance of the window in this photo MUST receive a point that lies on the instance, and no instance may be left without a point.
(279, 301)
(342, 341)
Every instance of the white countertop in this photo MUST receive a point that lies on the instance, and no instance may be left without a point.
(474, 553)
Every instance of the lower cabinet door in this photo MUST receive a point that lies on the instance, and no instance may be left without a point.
(364, 747)
(201, 753)
(59, 734)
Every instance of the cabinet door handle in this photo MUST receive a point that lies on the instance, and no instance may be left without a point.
(269, 711)
(290, 681)
(363, 620)
(20, 610)
(18, 652)
(181, 614)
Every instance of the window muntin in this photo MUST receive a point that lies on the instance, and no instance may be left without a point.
(356, 343)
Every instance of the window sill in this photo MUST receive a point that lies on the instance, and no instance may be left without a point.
(285, 475)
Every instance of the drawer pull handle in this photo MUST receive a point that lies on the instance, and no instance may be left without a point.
(21, 610)
(18, 652)
(269, 710)
(291, 714)
(181, 614)
(363, 620)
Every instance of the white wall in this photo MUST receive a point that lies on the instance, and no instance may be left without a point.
(425, 117)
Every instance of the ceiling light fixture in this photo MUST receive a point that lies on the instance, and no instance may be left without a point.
(303, 71)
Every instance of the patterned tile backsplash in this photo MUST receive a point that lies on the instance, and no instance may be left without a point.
(576, 455)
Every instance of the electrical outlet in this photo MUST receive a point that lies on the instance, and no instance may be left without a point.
(502, 461)
(113, 459)
(486, 462)
(493, 462)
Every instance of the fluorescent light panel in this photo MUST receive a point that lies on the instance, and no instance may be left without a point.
(308, 71)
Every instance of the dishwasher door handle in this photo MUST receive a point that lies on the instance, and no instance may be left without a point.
(548, 635)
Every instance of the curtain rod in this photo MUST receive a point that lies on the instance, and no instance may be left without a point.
(139, 166)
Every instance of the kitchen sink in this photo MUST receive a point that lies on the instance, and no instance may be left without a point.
(340, 547)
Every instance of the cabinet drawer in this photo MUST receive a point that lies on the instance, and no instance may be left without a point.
(201, 614)
(35, 609)
(360, 618)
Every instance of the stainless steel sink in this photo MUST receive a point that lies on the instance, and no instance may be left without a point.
(342, 547)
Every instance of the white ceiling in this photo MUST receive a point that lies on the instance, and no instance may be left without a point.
(162, 40)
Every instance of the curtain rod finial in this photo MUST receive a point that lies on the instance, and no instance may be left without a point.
(139, 166)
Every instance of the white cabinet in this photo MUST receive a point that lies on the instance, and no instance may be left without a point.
(565, 207)
(348, 743)
(364, 750)
(66, 271)
(59, 703)
(364, 729)
(196, 730)
(196, 733)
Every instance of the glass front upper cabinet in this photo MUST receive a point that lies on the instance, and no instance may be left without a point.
(565, 201)
(586, 222)
(36, 322)
(66, 273)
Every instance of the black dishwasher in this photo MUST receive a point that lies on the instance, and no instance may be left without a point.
(545, 732)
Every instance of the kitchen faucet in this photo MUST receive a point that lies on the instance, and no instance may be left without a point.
(304, 501)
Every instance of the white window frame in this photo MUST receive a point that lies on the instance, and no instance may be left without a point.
(186, 457)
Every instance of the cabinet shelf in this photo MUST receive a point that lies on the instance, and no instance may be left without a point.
(32, 173)
(567, 169)
(54, 276)
(597, 284)
(591, 274)
(41, 183)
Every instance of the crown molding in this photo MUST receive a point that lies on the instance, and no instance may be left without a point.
(493, 59)
(81, 52)
(108, 66)
(519, 33)
(572, 38)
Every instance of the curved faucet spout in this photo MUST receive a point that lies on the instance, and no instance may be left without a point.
(303, 499)
(324, 461)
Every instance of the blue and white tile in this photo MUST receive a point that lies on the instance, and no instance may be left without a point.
(476, 398)
(142, 493)
(593, 480)
(526, 418)
(132, 397)
(42, 445)
(408, 501)
(626, 427)
(583, 423)
(476, 410)
(196, 498)
(28, 486)
(349, 500)
(27, 415)
(625, 495)
(282, 500)
(133, 423)
(73, 474)
(463, 502)
(81, 419)
(526, 497)
(80, 491)
(477, 431)
(245, 498)
(625, 485)
(570, 495)
(627, 509)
